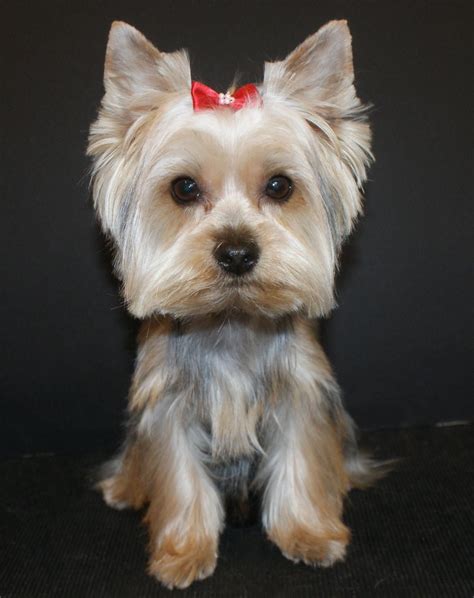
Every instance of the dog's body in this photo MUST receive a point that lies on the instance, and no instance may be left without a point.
(228, 225)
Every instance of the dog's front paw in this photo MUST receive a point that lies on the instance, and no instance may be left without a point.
(313, 547)
(178, 564)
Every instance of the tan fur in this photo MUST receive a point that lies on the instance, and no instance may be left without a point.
(178, 564)
(231, 388)
(149, 381)
(305, 501)
(185, 515)
(128, 487)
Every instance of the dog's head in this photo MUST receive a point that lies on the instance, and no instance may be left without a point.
(220, 209)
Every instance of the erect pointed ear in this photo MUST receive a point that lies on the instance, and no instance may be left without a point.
(318, 74)
(138, 78)
(134, 67)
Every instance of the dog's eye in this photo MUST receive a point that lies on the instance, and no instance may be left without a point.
(185, 190)
(279, 187)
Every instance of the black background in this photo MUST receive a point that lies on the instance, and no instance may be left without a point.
(399, 340)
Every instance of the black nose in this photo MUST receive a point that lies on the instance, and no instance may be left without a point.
(237, 258)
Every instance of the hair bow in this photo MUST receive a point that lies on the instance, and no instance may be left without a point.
(204, 97)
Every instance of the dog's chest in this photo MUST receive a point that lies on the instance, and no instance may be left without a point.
(227, 369)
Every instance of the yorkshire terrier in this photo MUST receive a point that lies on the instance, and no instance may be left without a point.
(227, 213)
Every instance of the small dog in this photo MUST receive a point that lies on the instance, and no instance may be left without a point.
(227, 213)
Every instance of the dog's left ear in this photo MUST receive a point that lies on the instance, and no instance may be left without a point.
(318, 75)
(317, 80)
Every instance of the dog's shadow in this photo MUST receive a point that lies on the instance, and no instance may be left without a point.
(349, 263)
(128, 325)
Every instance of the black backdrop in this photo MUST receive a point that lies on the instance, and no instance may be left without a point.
(399, 340)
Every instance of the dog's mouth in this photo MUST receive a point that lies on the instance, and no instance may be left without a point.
(241, 291)
(249, 295)
(233, 282)
(236, 292)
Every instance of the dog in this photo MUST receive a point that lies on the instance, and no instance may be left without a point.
(227, 212)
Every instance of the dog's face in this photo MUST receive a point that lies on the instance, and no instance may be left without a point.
(218, 209)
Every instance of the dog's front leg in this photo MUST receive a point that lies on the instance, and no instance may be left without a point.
(185, 515)
(304, 483)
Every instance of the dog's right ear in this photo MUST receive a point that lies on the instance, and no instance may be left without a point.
(136, 73)
(138, 79)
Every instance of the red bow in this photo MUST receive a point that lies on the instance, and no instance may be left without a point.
(204, 97)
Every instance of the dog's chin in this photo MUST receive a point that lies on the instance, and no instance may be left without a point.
(261, 300)
(234, 296)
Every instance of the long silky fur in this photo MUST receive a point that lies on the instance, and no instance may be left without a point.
(232, 392)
